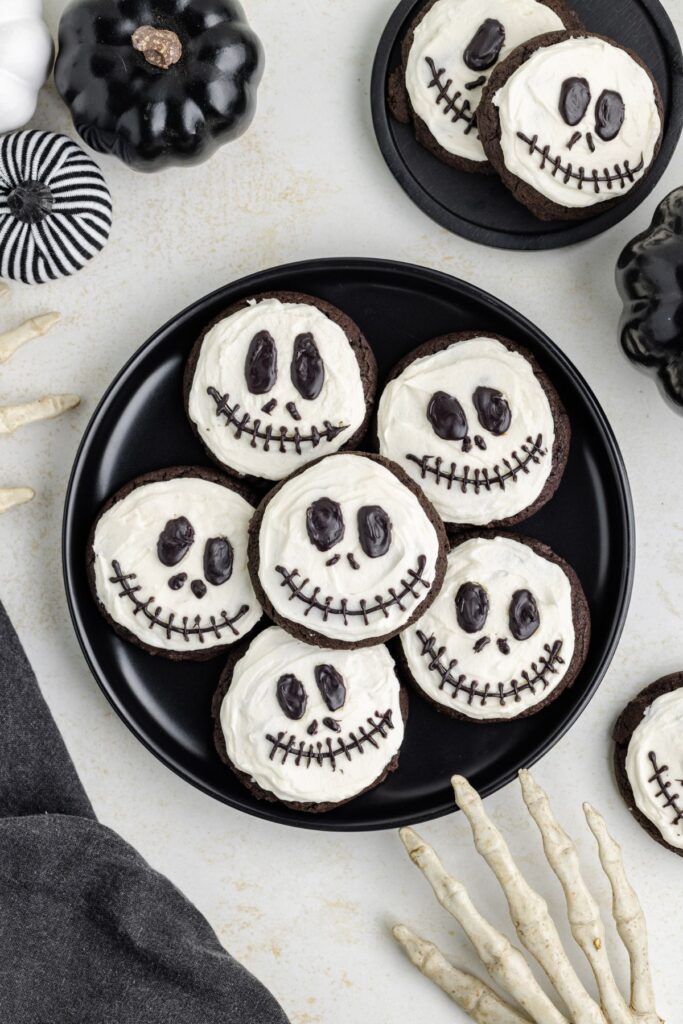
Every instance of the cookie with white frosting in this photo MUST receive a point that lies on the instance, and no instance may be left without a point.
(311, 728)
(346, 552)
(448, 54)
(167, 563)
(648, 760)
(278, 380)
(572, 122)
(476, 422)
(507, 635)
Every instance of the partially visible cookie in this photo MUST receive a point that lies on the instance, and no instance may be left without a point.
(308, 727)
(473, 419)
(167, 563)
(648, 760)
(347, 551)
(447, 56)
(572, 122)
(508, 633)
(278, 380)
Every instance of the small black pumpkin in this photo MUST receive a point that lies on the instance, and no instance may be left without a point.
(650, 282)
(158, 82)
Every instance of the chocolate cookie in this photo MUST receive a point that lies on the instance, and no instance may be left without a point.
(167, 563)
(308, 727)
(572, 122)
(447, 56)
(508, 633)
(278, 380)
(476, 422)
(347, 551)
(648, 760)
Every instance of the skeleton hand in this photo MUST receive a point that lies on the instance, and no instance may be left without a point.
(14, 416)
(535, 928)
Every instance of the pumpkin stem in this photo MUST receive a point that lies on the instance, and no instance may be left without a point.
(159, 46)
(30, 201)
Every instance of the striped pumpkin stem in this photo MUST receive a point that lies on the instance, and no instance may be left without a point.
(31, 201)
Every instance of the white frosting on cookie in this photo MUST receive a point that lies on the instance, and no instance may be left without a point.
(570, 172)
(441, 466)
(294, 572)
(128, 535)
(283, 443)
(334, 754)
(440, 42)
(654, 765)
(443, 658)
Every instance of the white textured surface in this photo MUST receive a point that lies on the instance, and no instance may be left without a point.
(310, 913)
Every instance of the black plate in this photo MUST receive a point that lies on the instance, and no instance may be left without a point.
(478, 206)
(590, 522)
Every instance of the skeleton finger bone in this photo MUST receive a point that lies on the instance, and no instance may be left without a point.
(503, 961)
(582, 910)
(528, 910)
(4, 291)
(10, 341)
(12, 496)
(14, 416)
(629, 919)
(472, 995)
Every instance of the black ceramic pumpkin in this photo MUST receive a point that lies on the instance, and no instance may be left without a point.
(650, 282)
(158, 82)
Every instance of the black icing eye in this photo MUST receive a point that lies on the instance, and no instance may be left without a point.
(609, 115)
(523, 616)
(374, 530)
(308, 372)
(260, 367)
(483, 50)
(471, 607)
(493, 410)
(331, 686)
(324, 523)
(175, 540)
(218, 559)
(447, 417)
(575, 95)
(291, 696)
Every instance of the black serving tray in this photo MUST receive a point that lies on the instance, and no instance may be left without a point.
(478, 206)
(140, 425)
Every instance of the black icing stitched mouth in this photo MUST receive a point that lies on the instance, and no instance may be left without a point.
(571, 174)
(169, 625)
(410, 589)
(546, 666)
(281, 437)
(464, 111)
(672, 800)
(327, 754)
(482, 478)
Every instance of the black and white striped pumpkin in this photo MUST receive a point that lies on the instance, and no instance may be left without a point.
(55, 207)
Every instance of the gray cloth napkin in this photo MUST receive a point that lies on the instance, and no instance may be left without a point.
(89, 933)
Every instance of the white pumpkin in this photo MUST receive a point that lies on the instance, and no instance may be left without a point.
(26, 55)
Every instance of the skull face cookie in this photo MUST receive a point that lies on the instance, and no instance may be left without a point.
(648, 759)
(346, 552)
(277, 381)
(571, 122)
(167, 563)
(448, 56)
(474, 420)
(309, 727)
(508, 632)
